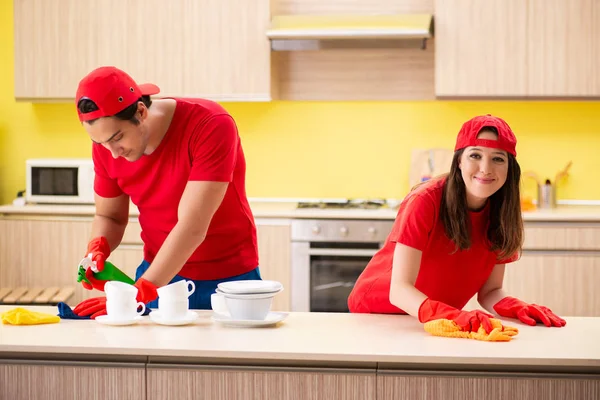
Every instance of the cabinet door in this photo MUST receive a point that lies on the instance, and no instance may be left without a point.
(392, 386)
(43, 252)
(127, 258)
(257, 384)
(566, 282)
(564, 48)
(72, 381)
(212, 49)
(480, 48)
(274, 259)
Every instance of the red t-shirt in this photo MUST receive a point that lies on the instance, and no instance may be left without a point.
(443, 276)
(201, 144)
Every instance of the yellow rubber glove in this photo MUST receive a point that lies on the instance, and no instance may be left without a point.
(448, 328)
(21, 316)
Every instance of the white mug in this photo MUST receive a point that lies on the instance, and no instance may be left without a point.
(177, 290)
(217, 303)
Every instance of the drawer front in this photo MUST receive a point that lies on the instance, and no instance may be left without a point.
(562, 236)
(132, 233)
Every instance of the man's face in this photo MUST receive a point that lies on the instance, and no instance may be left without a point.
(123, 138)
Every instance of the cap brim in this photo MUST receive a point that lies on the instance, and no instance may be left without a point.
(149, 89)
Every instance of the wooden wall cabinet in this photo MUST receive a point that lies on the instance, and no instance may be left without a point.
(517, 48)
(211, 49)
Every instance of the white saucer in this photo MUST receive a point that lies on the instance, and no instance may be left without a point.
(190, 317)
(273, 318)
(106, 320)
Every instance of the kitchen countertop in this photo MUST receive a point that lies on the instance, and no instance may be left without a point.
(289, 210)
(324, 337)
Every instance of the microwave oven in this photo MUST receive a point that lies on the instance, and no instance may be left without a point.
(60, 181)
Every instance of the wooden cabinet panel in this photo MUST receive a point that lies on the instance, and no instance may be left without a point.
(480, 48)
(255, 384)
(566, 282)
(43, 252)
(128, 258)
(211, 49)
(562, 236)
(71, 382)
(457, 387)
(563, 48)
(274, 258)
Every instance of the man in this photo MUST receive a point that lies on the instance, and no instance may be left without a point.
(180, 161)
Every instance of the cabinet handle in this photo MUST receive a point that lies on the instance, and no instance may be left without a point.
(72, 363)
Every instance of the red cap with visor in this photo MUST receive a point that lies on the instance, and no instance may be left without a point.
(468, 134)
(112, 90)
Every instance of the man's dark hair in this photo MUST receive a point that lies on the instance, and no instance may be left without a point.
(86, 105)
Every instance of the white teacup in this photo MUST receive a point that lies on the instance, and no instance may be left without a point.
(179, 290)
(121, 303)
(173, 309)
(124, 310)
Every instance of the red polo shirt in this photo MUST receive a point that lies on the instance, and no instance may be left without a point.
(444, 275)
(201, 144)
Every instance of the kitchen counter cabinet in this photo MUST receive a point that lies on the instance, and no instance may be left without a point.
(442, 385)
(48, 380)
(43, 250)
(309, 356)
(257, 383)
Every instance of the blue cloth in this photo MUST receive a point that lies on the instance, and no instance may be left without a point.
(200, 299)
(65, 312)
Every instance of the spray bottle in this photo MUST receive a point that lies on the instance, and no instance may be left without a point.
(109, 273)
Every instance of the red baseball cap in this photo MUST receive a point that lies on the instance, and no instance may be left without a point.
(112, 90)
(470, 129)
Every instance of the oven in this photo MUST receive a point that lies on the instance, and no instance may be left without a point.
(328, 255)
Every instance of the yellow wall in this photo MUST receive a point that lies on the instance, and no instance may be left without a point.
(324, 149)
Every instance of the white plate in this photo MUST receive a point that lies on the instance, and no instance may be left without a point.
(250, 287)
(106, 320)
(190, 317)
(272, 319)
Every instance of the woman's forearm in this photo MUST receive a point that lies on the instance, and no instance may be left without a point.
(488, 300)
(407, 297)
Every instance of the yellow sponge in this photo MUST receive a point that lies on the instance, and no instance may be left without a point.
(448, 328)
(22, 316)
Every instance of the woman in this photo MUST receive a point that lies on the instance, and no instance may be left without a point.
(452, 237)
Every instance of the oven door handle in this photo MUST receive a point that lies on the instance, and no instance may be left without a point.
(343, 252)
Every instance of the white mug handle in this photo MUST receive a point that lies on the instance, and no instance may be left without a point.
(192, 289)
(143, 308)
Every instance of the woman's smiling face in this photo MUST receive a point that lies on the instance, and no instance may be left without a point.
(484, 170)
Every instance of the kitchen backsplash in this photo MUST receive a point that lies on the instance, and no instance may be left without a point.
(326, 149)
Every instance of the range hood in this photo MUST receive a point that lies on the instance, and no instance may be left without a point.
(309, 32)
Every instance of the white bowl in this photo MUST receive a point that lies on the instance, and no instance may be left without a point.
(247, 308)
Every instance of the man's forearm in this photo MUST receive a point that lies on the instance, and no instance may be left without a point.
(173, 254)
(111, 229)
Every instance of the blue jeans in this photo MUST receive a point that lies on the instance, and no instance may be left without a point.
(200, 299)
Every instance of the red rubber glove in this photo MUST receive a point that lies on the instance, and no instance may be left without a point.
(146, 291)
(92, 307)
(529, 314)
(469, 321)
(97, 284)
(100, 250)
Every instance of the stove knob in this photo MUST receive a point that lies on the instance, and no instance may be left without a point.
(316, 229)
(344, 231)
(372, 231)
